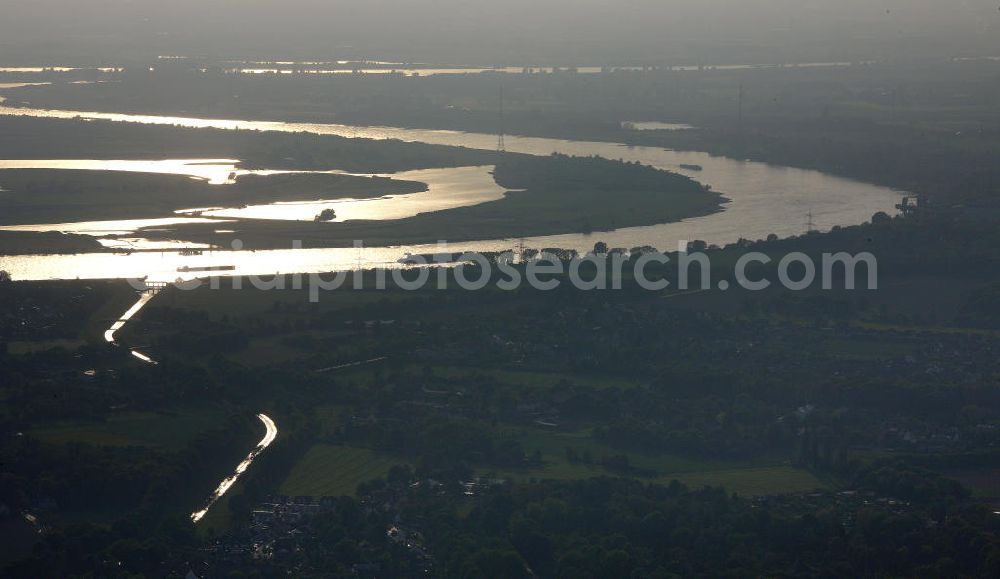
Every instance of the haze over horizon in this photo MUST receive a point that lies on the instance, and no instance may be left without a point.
(506, 289)
(512, 32)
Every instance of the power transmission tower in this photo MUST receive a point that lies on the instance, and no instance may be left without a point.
(501, 141)
(519, 250)
(739, 114)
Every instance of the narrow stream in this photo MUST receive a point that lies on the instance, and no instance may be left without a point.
(109, 336)
(271, 429)
(271, 432)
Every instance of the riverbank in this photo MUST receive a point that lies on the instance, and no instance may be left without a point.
(559, 195)
(763, 200)
(48, 243)
(56, 196)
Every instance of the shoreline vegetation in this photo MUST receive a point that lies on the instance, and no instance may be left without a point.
(48, 243)
(548, 196)
(43, 196)
(42, 138)
(553, 195)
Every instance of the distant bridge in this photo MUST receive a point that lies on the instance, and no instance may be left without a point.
(154, 287)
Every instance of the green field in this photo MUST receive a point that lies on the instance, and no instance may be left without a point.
(769, 480)
(742, 477)
(267, 351)
(861, 349)
(527, 379)
(331, 470)
(983, 482)
(253, 303)
(170, 431)
(516, 379)
(22, 348)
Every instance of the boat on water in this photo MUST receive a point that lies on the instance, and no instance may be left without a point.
(188, 269)
(191, 252)
(428, 258)
(692, 167)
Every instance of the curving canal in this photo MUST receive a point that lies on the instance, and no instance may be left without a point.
(271, 433)
(270, 428)
(109, 335)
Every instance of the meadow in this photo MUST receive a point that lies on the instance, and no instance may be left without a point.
(334, 470)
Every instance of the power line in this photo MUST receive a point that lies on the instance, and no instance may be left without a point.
(739, 114)
(501, 140)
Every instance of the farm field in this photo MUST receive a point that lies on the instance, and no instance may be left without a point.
(333, 470)
(744, 478)
(168, 431)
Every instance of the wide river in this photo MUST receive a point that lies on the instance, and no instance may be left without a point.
(763, 198)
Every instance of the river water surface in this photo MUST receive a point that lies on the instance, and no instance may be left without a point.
(763, 198)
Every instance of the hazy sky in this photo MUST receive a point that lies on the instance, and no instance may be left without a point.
(460, 30)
